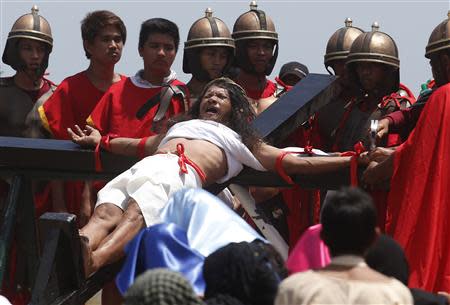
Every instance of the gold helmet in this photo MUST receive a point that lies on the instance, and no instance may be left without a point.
(377, 47)
(374, 46)
(439, 38)
(254, 24)
(208, 31)
(339, 44)
(29, 26)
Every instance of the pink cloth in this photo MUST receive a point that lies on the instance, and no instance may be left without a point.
(310, 252)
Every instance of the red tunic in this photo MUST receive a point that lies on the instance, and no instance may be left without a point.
(116, 111)
(268, 91)
(350, 117)
(70, 104)
(303, 205)
(419, 207)
(404, 120)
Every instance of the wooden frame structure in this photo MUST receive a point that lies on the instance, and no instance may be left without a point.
(52, 266)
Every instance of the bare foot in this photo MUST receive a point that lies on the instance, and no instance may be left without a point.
(86, 255)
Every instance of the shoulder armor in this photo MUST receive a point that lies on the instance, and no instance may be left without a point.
(402, 93)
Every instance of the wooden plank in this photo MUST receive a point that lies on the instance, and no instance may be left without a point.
(58, 155)
(296, 106)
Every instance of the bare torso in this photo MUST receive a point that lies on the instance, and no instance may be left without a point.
(210, 158)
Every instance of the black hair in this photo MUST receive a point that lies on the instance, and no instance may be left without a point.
(247, 271)
(387, 256)
(160, 26)
(223, 299)
(348, 222)
(95, 21)
(241, 112)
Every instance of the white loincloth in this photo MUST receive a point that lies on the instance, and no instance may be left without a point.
(150, 182)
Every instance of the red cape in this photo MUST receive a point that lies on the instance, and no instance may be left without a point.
(70, 104)
(268, 91)
(116, 112)
(419, 201)
(303, 205)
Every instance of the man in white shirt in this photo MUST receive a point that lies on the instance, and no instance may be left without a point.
(348, 229)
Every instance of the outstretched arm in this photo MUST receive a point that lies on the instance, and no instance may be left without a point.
(268, 155)
(91, 137)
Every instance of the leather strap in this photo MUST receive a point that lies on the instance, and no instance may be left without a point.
(167, 93)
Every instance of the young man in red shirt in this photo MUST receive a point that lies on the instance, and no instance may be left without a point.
(130, 108)
(104, 35)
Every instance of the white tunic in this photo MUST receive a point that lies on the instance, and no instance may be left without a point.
(224, 137)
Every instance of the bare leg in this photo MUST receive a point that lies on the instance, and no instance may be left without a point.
(112, 247)
(104, 220)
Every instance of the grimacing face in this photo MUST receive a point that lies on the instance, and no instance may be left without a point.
(213, 60)
(216, 105)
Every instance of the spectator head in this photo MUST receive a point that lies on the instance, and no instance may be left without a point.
(387, 256)
(293, 72)
(348, 222)
(249, 272)
(161, 287)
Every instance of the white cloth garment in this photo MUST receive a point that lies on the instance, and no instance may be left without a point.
(138, 81)
(224, 137)
(154, 179)
(150, 182)
(311, 287)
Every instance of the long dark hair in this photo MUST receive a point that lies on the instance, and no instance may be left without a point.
(241, 112)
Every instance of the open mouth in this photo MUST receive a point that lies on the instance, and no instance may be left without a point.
(212, 110)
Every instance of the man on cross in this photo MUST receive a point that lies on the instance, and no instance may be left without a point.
(208, 145)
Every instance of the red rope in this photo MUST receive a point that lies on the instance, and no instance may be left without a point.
(358, 150)
(183, 160)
